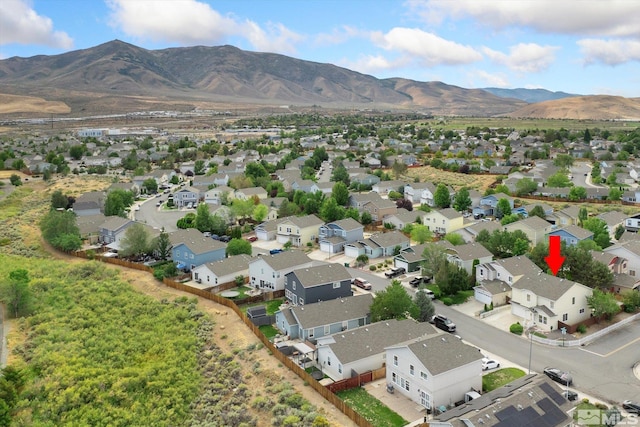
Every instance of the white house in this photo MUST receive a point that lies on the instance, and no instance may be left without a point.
(267, 271)
(434, 371)
(222, 271)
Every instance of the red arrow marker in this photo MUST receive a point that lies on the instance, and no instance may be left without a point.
(554, 260)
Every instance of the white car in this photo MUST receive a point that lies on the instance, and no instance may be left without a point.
(489, 364)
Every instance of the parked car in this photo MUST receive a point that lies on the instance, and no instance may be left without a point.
(442, 322)
(558, 376)
(215, 237)
(225, 239)
(252, 238)
(631, 407)
(275, 251)
(429, 293)
(362, 283)
(570, 395)
(395, 272)
(489, 364)
(417, 281)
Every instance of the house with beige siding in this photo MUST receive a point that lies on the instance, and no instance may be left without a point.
(443, 221)
(299, 230)
(534, 227)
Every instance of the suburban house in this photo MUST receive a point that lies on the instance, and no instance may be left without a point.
(372, 203)
(613, 219)
(470, 232)
(572, 234)
(267, 272)
(186, 195)
(346, 354)
(632, 223)
(434, 371)
(443, 221)
(223, 271)
(567, 216)
(378, 245)
(112, 230)
(334, 235)
(384, 187)
(216, 195)
(319, 283)
(250, 193)
(532, 400)
(267, 230)
(495, 278)
(488, 204)
(413, 191)
(629, 250)
(312, 321)
(543, 300)
(89, 226)
(402, 218)
(411, 258)
(619, 267)
(203, 182)
(90, 203)
(534, 227)
(465, 255)
(299, 230)
(190, 248)
(428, 192)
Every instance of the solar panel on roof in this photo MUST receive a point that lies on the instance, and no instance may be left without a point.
(552, 392)
(552, 414)
(506, 413)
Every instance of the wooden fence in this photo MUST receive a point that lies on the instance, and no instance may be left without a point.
(290, 364)
(358, 380)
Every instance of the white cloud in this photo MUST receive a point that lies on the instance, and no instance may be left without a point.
(191, 22)
(370, 64)
(610, 52)
(428, 48)
(339, 36)
(524, 57)
(21, 24)
(596, 17)
(489, 79)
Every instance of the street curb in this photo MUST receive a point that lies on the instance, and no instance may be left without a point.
(636, 370)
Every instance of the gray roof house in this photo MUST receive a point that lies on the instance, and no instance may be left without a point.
(112, 230)
(299, 230)
(191, 249)
(464, 255)
(572, 234)
(378, 245)
(334, 235)
(212, 274)
(411, 258)
(359, 350)
(401, 218)
(313, 321)
(267, 272)
(319, 283)
(534, 227)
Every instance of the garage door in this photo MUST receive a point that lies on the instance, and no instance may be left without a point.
(482, 295)
(351, 251)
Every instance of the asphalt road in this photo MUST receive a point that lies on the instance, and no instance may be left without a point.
(150, 214)
(578, 171)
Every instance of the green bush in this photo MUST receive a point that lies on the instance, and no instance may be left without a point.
(372, 268)
(582, 328)
(447, 301)
(516, 328)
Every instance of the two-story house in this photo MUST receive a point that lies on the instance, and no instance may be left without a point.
(543, 300)
(629, 250)
(572, 234)
(217, 195)
(465, 255)
(488, 204)
(613, 219)
(250, 193)
(534, 227)
(413, 191)
(112, 230)
(443, 221)
(632, 223)
(359, 350)
(225, 270)
(378, 245)
(495, 278)
(267, 272)
(190, 248)
(372, 203)
(312, 321)
(384, 187)
(185, 196)
(299, 230)
(334, 235)
(319, 283)
(434, 371)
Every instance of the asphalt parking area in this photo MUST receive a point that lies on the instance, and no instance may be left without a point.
(615, 340)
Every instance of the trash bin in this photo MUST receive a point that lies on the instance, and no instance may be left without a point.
(346, 264)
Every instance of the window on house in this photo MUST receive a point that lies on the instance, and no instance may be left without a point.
(551, 304)
(326, 329)
(510, 279)
(395, 360)
(423, 375)
(339, 368)
(293, 285)
(301, 301)
(528, 297)
(539, 318)
(411, 371)
(329, 360)
(632, 273)
(565, 317)
(216, 280)
(406, 385)
(336, 285)
(573, 300)
(394, 377)
(311, 333)
(581, 310)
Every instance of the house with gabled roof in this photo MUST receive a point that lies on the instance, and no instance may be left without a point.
(613, 219)
(267, 272)
(204, 182)
(488, 204)
(89, 226)
(359, 350)
(629, 250)
(434, 371)
(304, 185)
(90, 203)
(267, 230)
(402, 218)
(384, 187)
(112, 230)
(334, 235)
(470, 232)
(250, 193)
(217, 195)
(411, 258)
(443, 221)
(372, 203)
(215, 273)
(543, 300)
(495, 278)
(567, 216)
(299, 230)
(320, 319)
(190, 248)
(186, 195)
(572, 234)
(318, 283)
(378, 245)
(534, 227)
(465, 255)
(632, 223)
(413, 191)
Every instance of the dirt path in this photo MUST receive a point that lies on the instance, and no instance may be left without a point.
(231, 333)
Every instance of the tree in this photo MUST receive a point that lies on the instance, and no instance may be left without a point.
(238, 246)
(619, 231)
(421, 233)
(340, 192)
(537, 211)
(340, 174)
(587, 136)
(198, 167)
(399, 169)
(362, 260)
(16, 293)
(60, 229)
(242, 208)
(218, 224)
(59, 200)
(525, 186)
(260, 212)
(424, 306)
(615, 194)
(161, 245)
(330, 210)
(203, 218)
(451, 278)
(462, 200)
(563, 161)
(392, 303)
(631, 300)
(150, 186)
(503, 207)
(442, 197)
(559, 179)
(455, 239)
(600, 276)
(116, 202)
(136, 241)
(15, 180)
(433, 255)
(577, 193)
(600, 231)
(76, 152)
(603, 304)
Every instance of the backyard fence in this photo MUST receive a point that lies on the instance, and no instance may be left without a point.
(358, 380)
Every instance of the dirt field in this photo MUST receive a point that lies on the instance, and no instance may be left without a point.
(455, 180)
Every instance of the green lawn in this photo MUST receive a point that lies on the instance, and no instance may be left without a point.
(269, 331)
(500, 377)
(272, 306)
(371, 408)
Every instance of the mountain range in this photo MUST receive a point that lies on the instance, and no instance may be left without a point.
(120, 77)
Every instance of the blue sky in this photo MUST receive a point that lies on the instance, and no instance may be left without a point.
(577, 46)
